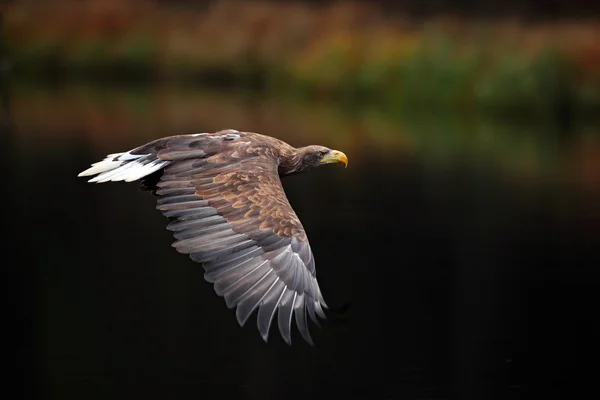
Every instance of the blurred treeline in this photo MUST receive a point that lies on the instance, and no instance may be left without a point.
(517, 58)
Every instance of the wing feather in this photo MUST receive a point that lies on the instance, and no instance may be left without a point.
(286, 312)
(268, 308)
(301, 321)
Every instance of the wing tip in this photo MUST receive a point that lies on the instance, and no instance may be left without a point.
(287, 340)
(309, 341)
(265, 336)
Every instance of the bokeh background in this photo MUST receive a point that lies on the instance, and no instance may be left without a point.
(464, 234)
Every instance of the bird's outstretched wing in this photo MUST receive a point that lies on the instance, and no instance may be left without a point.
(230, 213)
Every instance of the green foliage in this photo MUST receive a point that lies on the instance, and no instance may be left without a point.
(434, 77)
(37, 59)
(137, 55)
(437, 74)
(91, 54)
(538, 85)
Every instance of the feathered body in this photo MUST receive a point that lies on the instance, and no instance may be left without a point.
(223, 194)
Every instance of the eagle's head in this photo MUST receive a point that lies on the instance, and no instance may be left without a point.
(316, 156)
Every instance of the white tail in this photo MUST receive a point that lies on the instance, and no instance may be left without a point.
(124, 167)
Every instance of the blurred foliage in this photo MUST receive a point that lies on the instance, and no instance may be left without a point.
(348, 51)
(116, 118)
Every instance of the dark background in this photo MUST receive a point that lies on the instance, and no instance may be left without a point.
(469, 265)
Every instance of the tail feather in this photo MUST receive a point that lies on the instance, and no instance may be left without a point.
(107, 164)
(124, 167)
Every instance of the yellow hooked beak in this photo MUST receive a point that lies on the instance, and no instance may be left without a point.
(335, 156)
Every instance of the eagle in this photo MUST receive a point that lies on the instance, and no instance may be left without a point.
(227, 209)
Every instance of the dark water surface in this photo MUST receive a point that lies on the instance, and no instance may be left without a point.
(467, 250)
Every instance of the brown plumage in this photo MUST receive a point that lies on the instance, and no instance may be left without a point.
(228, 211)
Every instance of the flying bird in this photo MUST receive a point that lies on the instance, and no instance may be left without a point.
(227, 208)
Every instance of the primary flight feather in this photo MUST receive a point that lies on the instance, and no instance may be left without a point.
(223, 195)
